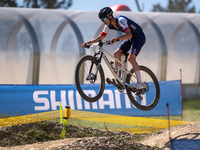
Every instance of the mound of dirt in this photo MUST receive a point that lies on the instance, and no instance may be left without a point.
(161, 138)
(28, 137)
(47, 136)
(92, 143)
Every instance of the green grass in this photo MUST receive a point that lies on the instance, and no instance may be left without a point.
(45, 131)
(191, 112)
(97, 125)
(191, 104)
(2, 115)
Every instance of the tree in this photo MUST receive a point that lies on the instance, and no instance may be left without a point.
(47, 4)
(175, 6)
(8, 3)
(38, 3)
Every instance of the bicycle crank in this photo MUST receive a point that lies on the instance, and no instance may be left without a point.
(139, 95)
(118, 85)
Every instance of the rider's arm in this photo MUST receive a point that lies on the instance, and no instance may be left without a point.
(127, 35)
(100, 37)
(127, 31)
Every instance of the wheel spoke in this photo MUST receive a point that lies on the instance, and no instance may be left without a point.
(144, 99)
(89, 84)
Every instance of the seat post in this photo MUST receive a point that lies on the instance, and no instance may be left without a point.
(126, 56)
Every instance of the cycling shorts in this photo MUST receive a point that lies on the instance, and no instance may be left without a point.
(134, 45)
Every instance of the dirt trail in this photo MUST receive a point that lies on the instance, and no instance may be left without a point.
(156, 141)
(161, 138)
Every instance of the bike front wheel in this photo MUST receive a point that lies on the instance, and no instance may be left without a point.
(147, 98)
(89, 79)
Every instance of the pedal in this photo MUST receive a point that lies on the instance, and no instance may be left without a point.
(108, 81)
(140, 97)
(132, 89)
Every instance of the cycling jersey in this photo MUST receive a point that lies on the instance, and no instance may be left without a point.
(138, 38)
(123, 23)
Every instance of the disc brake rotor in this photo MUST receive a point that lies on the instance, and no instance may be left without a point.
(91, 77)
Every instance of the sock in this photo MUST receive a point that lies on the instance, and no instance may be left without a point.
(138, 76)
(118, 69)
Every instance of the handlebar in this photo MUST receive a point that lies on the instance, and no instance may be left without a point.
(100, 43)
(87, 45)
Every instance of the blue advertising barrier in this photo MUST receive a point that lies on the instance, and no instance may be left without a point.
(31, 99)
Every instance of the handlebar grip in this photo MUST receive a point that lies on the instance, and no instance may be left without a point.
(87, 45)
(108, 42)
(113, 42)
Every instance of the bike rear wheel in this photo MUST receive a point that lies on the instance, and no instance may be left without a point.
(89, 86)
(145, 99)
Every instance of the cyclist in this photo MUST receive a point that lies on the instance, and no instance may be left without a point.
(133, 39)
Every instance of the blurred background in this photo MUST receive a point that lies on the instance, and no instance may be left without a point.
(41, 45)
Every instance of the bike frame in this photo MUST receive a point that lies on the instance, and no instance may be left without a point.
(124, 70)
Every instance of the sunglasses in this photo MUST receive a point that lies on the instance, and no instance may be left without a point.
(104, 19)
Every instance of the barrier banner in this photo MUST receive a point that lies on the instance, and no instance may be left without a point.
(31, 99)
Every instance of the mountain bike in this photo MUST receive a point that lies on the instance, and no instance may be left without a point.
(90, 79)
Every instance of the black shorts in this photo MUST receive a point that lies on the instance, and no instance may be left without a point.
(134, 45)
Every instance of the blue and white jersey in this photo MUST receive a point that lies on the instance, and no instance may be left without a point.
(123, 23)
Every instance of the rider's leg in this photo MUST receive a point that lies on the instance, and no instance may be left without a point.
(123, 47)
(132, 60)
(118, 54)
(135, 49)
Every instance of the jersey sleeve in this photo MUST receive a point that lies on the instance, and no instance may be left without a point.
(105, 31)
(123, 24)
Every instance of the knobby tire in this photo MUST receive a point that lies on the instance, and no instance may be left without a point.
(91, 92)
(152, 95)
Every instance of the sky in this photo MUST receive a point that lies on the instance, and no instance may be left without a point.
(96, 5)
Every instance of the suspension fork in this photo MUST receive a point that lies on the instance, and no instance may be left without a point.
(98, 65)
